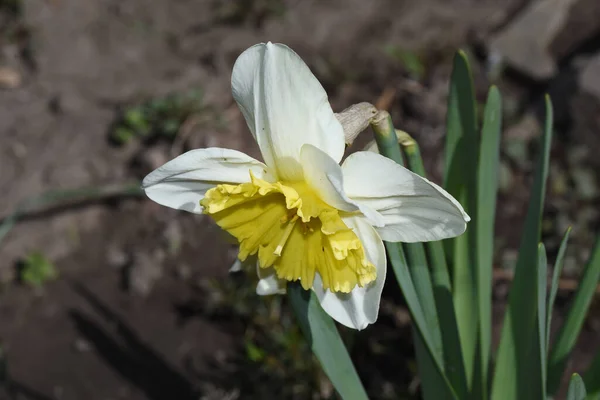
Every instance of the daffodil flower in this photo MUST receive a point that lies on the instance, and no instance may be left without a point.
(304, 216)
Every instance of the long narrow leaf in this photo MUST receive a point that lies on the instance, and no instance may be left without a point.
(592, 378)
(430, 361)
(558, 266)
(487, 185)
(461, 181)
(435, 384)
(540, 339)
(322, 335)
(576, 388)
(419, 271)
(461, 123)
(568, 334)
(513, 375)
(442, 290)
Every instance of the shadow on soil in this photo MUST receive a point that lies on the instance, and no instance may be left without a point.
(128, 355)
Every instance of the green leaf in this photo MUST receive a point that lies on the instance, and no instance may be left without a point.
(431, 370)
(440, 283)
(513, 374)
(408, 59)
(122, 135)
(576, 388)
(37, 270)
(461, 181)
(435, 383)
(558, 266)
(432, 380)
(254, 353)
(541, 347)
(487, 188)
(419, 271)
(569, 332)
(592, 378)
(325, 341)
(461, 124)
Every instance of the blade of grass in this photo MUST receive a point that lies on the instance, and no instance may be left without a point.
(592, 378)
(461, 123)
(461, 181)
(512, 377)
(419, 271)
(576, 388)
(540, 339)
(431, 368)
(569, 332)
(558, 266)
(440, 281)
(432, 382)
(324, 339)
(435, 384)
(487, 186)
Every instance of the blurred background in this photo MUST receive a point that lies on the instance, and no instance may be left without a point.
(110, 296)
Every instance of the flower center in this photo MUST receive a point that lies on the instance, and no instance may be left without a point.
(292, 230)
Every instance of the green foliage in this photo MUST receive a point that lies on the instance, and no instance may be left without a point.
(576, 388)
(36, 270)
(569, 332)
(429, 355)
(441, 285)
(461, 181)
(592, 379)
(515, 375)
(157, 118)
(324, 340)
(487, 189)
(409, 60)
(274, 351)
(558, 267)
(523, 369)
(540, 347)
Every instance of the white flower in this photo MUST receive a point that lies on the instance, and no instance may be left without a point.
(307, 218)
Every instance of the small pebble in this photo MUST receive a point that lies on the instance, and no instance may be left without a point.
(82, 345)
(9, 78)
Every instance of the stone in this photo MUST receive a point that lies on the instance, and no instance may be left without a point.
(545, 32)
(585, 114)
(589, 78)
(585, 183)
(146, 270)
(9, 78)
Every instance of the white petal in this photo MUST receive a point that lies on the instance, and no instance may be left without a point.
(414, 209)
(285, 107)
(324, 175)
(268, 283)
(182, 182)
(360, 307)
(236, 266)
(246, 265)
